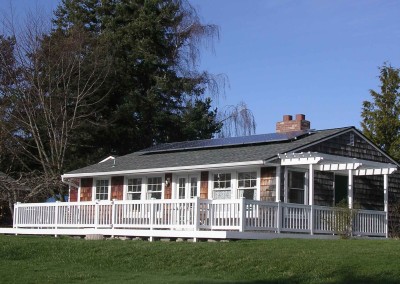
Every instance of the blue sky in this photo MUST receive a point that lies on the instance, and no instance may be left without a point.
(319, 58)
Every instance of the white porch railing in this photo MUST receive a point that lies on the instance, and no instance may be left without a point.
(199, 214)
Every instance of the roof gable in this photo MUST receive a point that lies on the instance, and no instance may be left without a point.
(350, 143)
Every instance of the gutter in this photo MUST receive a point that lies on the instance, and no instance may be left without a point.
(166, 169)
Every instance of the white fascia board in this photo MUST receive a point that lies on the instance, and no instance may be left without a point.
(167, 169)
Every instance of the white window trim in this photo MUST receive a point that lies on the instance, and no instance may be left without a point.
(198, 177)
(175, 183)
(258, 181)
(287, 182)
(234, 180)
(146, 191)
(126, 186)
(94, 188)
(211, 183)
(175, 186)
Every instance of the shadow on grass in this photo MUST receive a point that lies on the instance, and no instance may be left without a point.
(344, 277)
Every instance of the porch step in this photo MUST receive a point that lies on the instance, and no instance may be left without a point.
(94, 237)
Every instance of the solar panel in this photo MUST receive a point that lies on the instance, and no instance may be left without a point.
(224, 142)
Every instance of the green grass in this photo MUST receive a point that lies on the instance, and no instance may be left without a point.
(26, 259)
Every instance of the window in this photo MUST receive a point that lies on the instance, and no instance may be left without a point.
(247, 185)
(134, 189)
(193, 187)
(102, 189)
(186, 187)
(296, 187)
(181, 188)
(154, 187)
(222, 186)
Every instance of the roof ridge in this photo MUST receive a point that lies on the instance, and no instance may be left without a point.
(225, 142)
(337, 128)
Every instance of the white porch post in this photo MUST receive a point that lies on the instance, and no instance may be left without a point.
(113, 215)
(285, 186)
(96, 214)
(278, 184)
(386, 202)
(311, 185)
(15, 217)
(242, 212)
(279, 217)
(350, 190)
(56, 216)
(151, 221)
(311, 196)
(196, 216)
(79, 192)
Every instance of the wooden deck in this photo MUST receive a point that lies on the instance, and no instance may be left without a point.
(194, 219)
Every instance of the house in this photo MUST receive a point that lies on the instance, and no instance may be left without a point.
(240, 187)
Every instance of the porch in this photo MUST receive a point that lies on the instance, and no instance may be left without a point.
(196, 219)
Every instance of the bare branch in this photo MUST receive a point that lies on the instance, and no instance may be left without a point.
(48, 85)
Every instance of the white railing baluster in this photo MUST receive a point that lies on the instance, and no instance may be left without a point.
(15, 216)
(195, 214)
(312, 220)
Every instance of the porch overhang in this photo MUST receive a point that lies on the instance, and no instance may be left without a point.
(334, 163)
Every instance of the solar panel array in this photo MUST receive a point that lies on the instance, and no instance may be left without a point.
(225, 142)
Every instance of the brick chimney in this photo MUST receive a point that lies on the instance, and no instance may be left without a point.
(288, 124)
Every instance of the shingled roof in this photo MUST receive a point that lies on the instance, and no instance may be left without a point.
(247, 152)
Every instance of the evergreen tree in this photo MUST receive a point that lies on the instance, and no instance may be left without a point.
(112, 77)
(153, 86)
(381, 116)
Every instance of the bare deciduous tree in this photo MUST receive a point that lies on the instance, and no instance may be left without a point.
(48, 84)
(24, 188)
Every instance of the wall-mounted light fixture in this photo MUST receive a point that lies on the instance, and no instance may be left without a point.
(167, 181)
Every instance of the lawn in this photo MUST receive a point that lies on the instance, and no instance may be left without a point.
(26, 259)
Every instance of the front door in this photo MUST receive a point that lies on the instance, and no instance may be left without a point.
(341, 185)
(187, 187)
